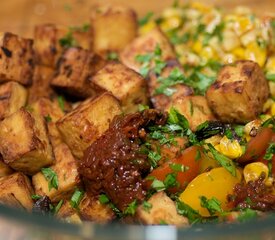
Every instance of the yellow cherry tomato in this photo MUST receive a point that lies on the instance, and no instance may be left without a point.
(216, 183)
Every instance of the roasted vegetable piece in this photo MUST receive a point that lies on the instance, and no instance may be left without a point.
(257, 145)
(162, 209)
(50, 40)
(113, 27)
(239, 93)
(24, 142)
(189, 164)
(92, 210)
(145, 45)
(68, 214)
(16, 191)
(16, 62)
(194, 108)
(124, 83)
(217, 183)
(12, 97)
(73, 70)
(42, 206)
(65, 169)
(87, 122)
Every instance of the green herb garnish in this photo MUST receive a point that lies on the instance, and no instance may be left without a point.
(76, 198)
(51, 177)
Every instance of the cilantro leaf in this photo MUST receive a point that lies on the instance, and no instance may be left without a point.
(247, 214)
(158, 185)
(187, 211)
(68, 40)
(224, 161)
(51, 177)
(171, 180)
(177, 167)
(131, 208)
(213, 205)
(103, 199)
(146, 206)
(154, 157)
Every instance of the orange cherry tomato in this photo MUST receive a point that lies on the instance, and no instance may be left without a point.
(261, 159)
(189, 159)
(257, 145)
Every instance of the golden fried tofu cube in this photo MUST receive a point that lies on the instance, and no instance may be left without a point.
(92, 210)
(194, 108)
(16, 59)
(50, 40)
(51, 112)
(66, 170)
(68, 214)
(160, 98)
(88, 121)
(12, 97)
(163, 209)
(74, 68)
(16, 191)
(144, 45)
(5, 170)
(239, 92)
(24, 142)
(41, 83)
(113, 27)
(124, 83)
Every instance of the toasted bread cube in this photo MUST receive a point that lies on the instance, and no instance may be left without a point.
(48, 40)
(5, 170)
(92, 210)
(162, 209)
(161, 100)
(87, 122)
(194, 108)
(68, 214)
(239, 93)
(113, 27)
(66, 170)
(24, 142)
(124, 83)
(147, 44)
(12, 97)
(74, 68)
(16, 191)
(16, 61)
(51, 112)
(41, 83)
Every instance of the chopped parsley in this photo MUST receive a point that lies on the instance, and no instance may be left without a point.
(142, 107)
(103, 199)
(36, 197)
(224, 161)
(112, 56)
(154, 157)
(177, 167)
(187, 211)
(68, 40)
(158, 185)
(146, 206)
(76, 198)
(61, 102)
(213, 205)
(51, 177)
(131, 208)
(170, 180)
(247, 214)
(48, 118)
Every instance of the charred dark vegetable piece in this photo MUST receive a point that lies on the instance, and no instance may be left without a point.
(209, 129)
(114, 164)
(42, 206)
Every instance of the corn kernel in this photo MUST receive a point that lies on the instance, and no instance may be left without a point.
(171, 23)
(229, 148)
(147, 27)
(197, 47)
(243, 25)
(252, 124)
(239, 52)
(253, 171)
(255, 53)
(270, 64)
(208, 53)
(273, 109)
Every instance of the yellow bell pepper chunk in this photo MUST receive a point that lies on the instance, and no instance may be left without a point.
(229, 148)
(216, 183)
(270, 65)
(256, 53)
(239, 52)
(147, 27)
(273, 109)
(253, 171)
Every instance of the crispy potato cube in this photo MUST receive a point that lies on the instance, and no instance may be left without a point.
(74, 68)
(68, 214)
(50, 40)
(194, 108)
(41, 83)
(146, 44)
(16, 191)
(239, 93)
(24, 142)
(51, 112)
(5, 170)
(163, 209)
(92, 210)
(87, 122)
(66, 170)
(12, 97)
(113, 27)
(124, 83)
(161, 100)
(16, 61)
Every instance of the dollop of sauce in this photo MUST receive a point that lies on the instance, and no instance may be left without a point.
(114, 164)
